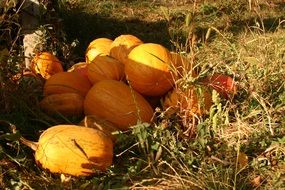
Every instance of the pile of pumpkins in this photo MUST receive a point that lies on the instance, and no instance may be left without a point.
(115, 86)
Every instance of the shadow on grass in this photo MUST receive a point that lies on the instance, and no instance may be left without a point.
(86, 27)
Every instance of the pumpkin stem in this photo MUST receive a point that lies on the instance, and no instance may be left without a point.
(13, 129)
(33, 145)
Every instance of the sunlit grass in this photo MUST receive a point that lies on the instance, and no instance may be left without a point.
(239, 144)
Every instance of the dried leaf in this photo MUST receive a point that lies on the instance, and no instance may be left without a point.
(242, 160)
(256, 181)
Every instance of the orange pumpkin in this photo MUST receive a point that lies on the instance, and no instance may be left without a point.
(191, 102)
(223, 84)
(66, 82)
(122, 45)
(46, 64)
(80, 67)
(148, 69)
(67, 104)
(105, 67)
(95, 122)
(116, 102)
(99, 46)
(73, 150)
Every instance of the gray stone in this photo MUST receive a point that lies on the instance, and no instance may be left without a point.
(32, 36)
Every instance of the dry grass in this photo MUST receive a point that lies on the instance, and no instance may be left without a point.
(238, 145)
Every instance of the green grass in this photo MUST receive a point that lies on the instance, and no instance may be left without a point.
(235, 38)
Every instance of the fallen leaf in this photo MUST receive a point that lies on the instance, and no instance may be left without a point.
(256, 181)
(242, 160)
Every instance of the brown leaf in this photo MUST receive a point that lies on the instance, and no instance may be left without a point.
(256, 181)
(242, 160)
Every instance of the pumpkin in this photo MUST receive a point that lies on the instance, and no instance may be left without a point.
(122, 45)
(46, 64)
(99, 46)
(105, 67)
(67, 104)
(95, 122)
(73, 150)
(223, 84)
(148, 69)
(190, 102)
(80, 67)
(66, 82)
(182, 66)
(117, 103)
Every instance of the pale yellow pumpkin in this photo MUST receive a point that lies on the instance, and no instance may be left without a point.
(99, 46)
(148, 69)
(73, 150)
(122, 45)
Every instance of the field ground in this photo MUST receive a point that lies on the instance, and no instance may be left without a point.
(240, 144)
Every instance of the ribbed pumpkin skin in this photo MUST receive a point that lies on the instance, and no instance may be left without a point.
(99, 46)
(122, 45)
(46, 64)
(189, 101)
(80, 67)
(105, 67)
(67, 104)
(74, 150)
(148, 69)
(66, 82)
(95, 122)
(118, 103)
